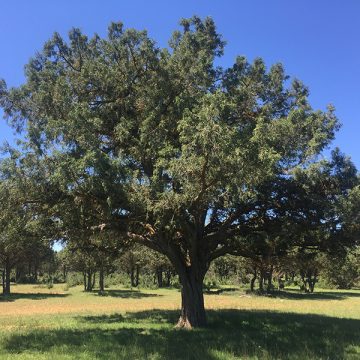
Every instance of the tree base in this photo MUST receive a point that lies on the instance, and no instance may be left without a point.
(183, 324)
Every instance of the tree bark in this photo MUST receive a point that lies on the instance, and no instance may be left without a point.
(192, 299)
(101, 280)
(89, 281)
(84, 274)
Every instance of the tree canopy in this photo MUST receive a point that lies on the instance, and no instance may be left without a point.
(162, 147)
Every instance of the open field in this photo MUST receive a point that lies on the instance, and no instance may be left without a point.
(38, 323)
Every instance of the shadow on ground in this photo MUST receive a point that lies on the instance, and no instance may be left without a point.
(323, 295)
(230, 334)
(220, 291)
(30, 296)
(292, 294)
(126, 294)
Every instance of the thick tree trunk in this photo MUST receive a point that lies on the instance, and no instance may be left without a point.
(192, 300)
(101, 280)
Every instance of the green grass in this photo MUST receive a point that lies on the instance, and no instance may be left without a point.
(128, 324)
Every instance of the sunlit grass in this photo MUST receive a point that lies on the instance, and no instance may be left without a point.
(40, 323)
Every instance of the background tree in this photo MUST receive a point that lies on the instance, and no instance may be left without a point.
(158, 265)
(342, 270)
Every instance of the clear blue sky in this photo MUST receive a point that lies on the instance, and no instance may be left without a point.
(316, 40)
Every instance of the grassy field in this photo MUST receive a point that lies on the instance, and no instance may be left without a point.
(38, 323)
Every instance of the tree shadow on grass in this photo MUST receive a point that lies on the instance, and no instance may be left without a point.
(220, 291)
(143, 317)
(30, 296)
(126, 294)
(322, 295)
(230, 334)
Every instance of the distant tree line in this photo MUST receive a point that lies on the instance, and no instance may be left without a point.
(141, 267)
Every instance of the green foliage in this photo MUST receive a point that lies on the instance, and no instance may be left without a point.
(343, 272)
(74, 279)
(93, 105)
(129, 142)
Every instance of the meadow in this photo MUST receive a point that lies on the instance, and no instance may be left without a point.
(60, 323)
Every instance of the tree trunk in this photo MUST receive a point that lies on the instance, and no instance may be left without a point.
(252, 281)
(6, 281)
(18, 274)
(101, 280)
(89, 281)
(261, 281)
(159, 276)
(84, 274)
(132, 277)
(304, 286)
(137, 275)
(168, 278)
(269, 280)
(312, 282)
(192, 299)
(35, 274)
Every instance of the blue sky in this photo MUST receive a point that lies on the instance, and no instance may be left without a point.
(317, 41)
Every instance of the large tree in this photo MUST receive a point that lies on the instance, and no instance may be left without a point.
(159, 145)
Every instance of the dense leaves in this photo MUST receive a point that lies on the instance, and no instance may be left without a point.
(162, 147)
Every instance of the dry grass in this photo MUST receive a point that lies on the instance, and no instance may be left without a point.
(33, 300)
(40, 323)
